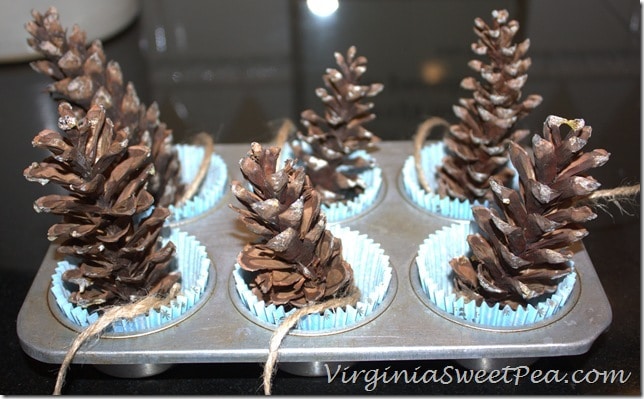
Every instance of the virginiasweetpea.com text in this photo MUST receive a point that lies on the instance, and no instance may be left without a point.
(372, 378)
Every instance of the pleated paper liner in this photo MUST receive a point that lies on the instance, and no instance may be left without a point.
(434, 275)
(197, 283)
(371, 179)
(431, 158)
(373, 275)
(211, 190)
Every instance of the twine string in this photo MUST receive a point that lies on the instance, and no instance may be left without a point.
(615, 196)
(128, 311)
(205, 140)
(290, 321)
(419, 140)
(286, 129)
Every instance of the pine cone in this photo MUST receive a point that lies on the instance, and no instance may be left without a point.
(165, 184)
(526, 251)
(477, 145)
(84, 78)
(119, 257)
(297, 262)
(332, 139)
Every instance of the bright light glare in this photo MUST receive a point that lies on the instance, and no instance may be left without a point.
(322, 8)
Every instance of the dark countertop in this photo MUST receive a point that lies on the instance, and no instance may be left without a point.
(585, 66)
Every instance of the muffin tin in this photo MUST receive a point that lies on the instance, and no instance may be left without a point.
(406, 328)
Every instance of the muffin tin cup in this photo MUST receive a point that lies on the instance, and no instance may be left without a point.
(313, 369)
(372, 275)
(436, 279)
(133, 370)
(431, 158)
(402, 327)
(197, 282)
(339, 212)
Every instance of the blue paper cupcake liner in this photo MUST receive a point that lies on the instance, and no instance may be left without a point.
(340, 211)
(212, 188)
(372, 275)
(431, 158)
(190, 259)
(435, 275)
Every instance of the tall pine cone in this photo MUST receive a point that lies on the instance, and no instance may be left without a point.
(477, 145)
(526, 251)
(333, 138)
(297, 262)
(84, 78)
(120, 259)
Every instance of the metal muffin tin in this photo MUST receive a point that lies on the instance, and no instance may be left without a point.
(407, 328)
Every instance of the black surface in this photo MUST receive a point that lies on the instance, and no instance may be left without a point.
(610, 95)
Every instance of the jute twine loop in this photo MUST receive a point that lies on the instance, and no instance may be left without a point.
(205, 140)
(282, 330)
(422, 132)
(128, 311)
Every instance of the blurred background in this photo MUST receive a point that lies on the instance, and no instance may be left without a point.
(234, 67)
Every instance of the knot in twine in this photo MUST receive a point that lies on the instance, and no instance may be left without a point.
(205, 140)
(419, 140)
(283, 329)
(114, 313)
